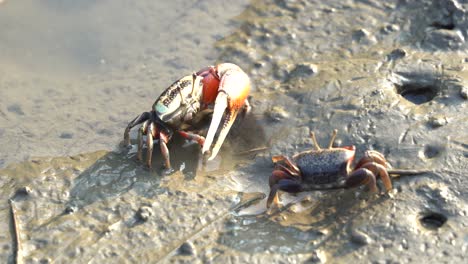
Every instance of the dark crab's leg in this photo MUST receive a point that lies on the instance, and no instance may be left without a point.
(289, 170)
(136, 121)
(292, 166)
(379, 170)
(360, 177)
(372, 156)
(287, 185)
(149, 142)
(141, 132)
(277, 175)
(280, 179)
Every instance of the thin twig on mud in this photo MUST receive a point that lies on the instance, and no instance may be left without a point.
(395, 173)
(250, 151)
(14, 214)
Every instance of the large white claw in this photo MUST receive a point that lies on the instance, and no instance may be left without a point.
(230, 118)
(220, 107)
(233, 89)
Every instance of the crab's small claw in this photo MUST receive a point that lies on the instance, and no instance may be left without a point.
(234, 86)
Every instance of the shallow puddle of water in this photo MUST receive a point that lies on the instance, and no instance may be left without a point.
(72, 74)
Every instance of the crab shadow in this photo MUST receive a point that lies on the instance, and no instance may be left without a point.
(119, 172)
(301, 227)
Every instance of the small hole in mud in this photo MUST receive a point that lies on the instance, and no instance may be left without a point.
(431, 152)
(438, 25)
(417, 94)
(432, 220)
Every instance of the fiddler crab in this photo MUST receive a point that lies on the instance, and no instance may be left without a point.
(330, 168)
(223, 89)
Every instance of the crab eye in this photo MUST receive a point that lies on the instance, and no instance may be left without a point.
(160, 108)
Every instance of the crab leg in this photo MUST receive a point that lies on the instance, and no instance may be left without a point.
(163, 139)
(379, 170)
(360, 177)
(192, 136)
(141, 132)
(232, 93)
(294, 169)
(372, 156)
(136, 121)
(288, 170)
(149, 142)
(287, 185)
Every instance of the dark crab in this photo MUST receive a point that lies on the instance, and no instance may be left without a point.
(330, 168)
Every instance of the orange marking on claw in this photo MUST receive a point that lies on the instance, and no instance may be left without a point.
(210, 88)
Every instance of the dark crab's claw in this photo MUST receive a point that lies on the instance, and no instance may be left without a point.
(233, 86)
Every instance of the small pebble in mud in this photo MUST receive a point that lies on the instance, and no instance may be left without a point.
(15, 108)
(437, 121)
(317, 257)
(464, 92)
(187, 249)
(277, 114)
(44, 261)
(390, 28)
(66, 135)
(404, 245)
(363, 36)
(302, 70)
(144, 213)
(397, 54)
(71, 209)
(359, 237)
(26, 190)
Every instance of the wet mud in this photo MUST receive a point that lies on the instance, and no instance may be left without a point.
(389, 75)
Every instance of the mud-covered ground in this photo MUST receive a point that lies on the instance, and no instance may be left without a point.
(389, 75)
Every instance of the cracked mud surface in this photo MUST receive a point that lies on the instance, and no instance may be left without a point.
(389, 75)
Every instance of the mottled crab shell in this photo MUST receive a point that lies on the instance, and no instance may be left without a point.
(324, 166)
(177, 100)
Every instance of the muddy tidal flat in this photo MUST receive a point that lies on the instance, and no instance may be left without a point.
(390, 76)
